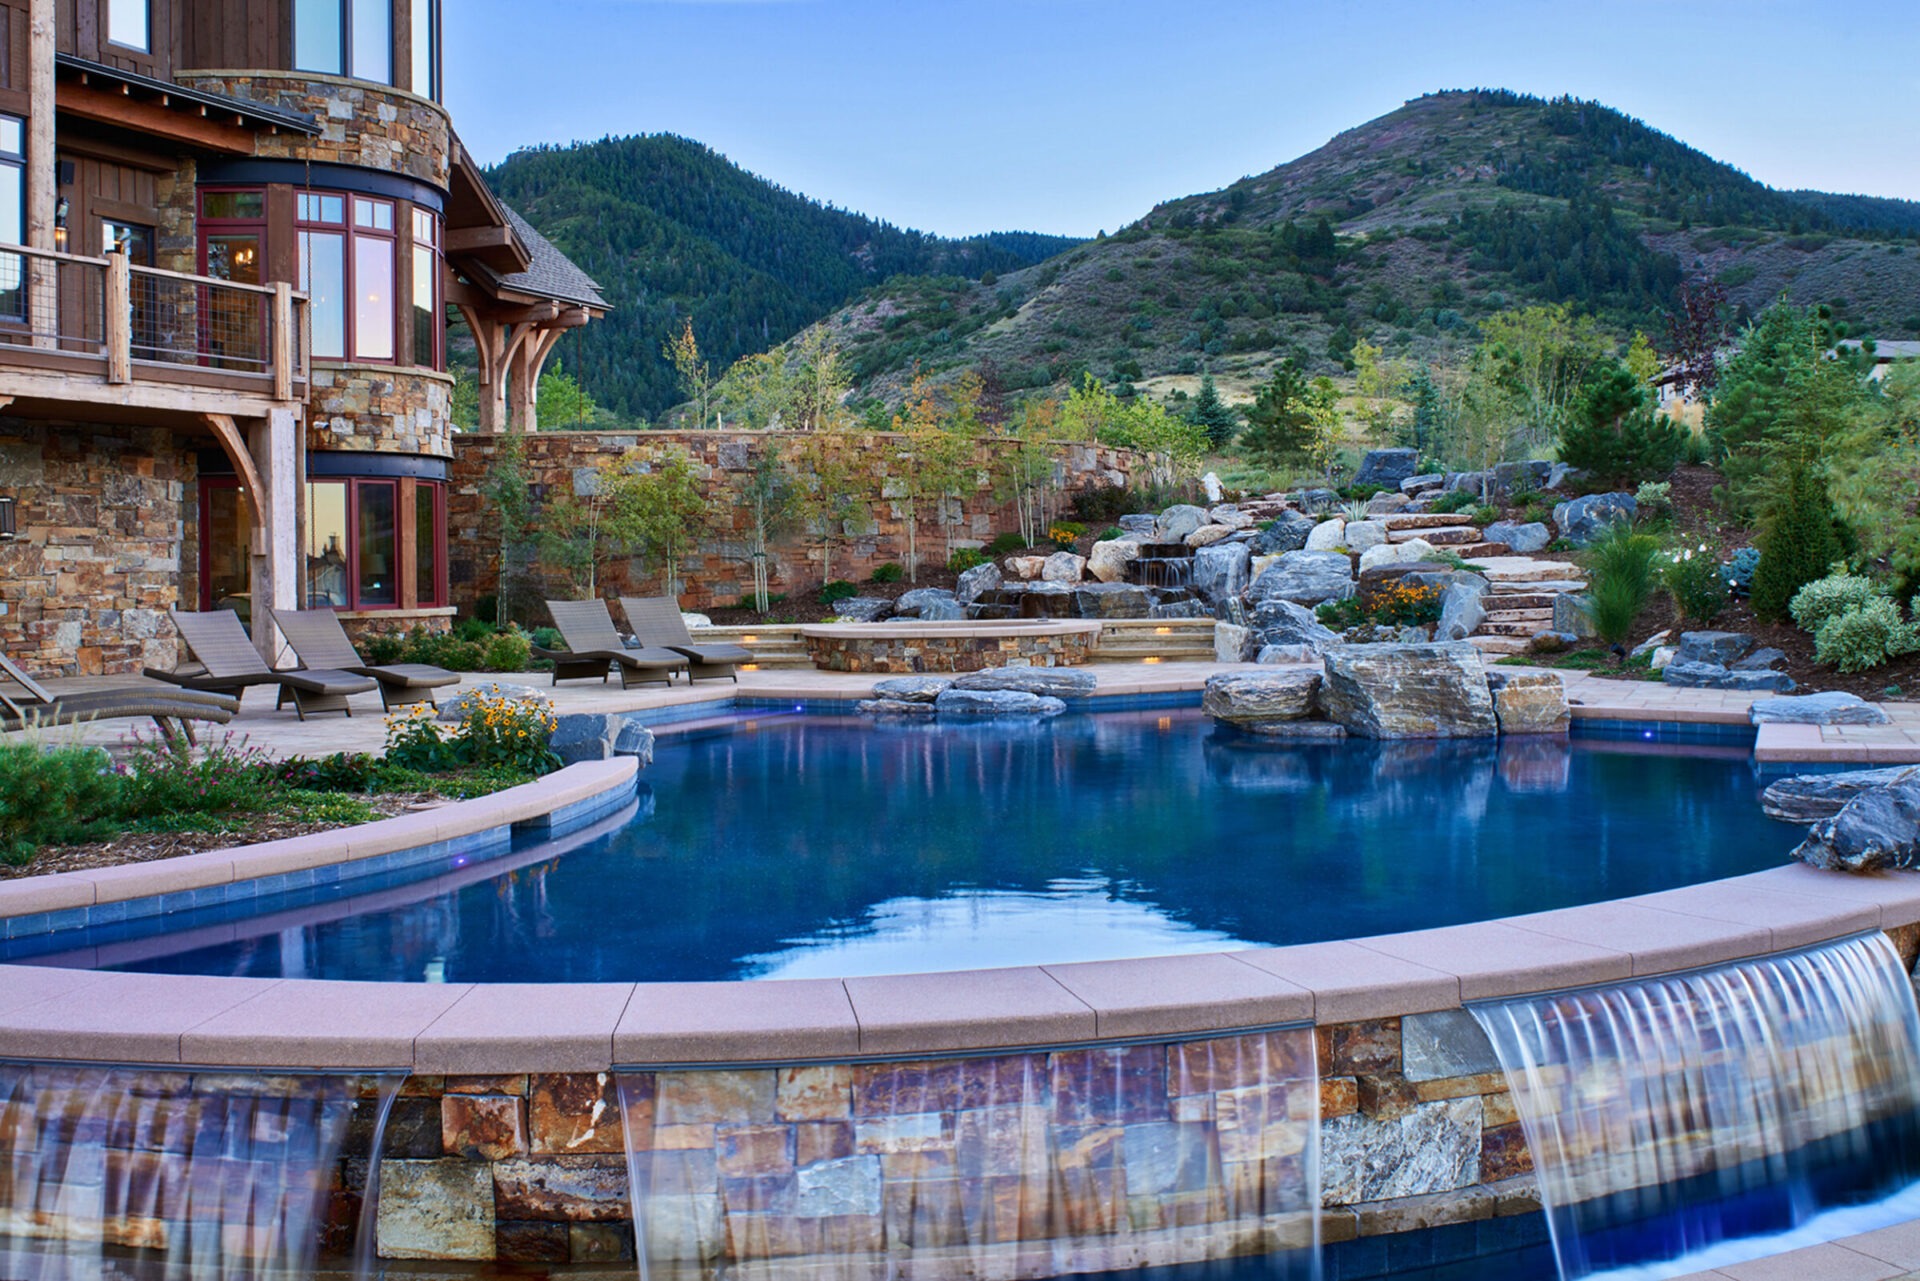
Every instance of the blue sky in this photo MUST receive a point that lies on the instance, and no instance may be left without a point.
(960, 116)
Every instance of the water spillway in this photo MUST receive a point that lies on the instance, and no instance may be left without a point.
(189, 1176)
(1671, 1114)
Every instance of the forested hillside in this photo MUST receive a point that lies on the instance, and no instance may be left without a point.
(672, 230)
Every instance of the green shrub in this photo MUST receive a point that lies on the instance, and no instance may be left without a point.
(508, 651)
(474, 629)
(839, 589)
(1620, 581)
(1112, 534)
(340, 772)
(889, 573)
(1693, 579)
(1063, 534)
(53, 796)
(496, 733)
(546, 637)
(1798, 542)
(160, 782)
(965, 558)
(1653, 501)
(1739, 570)
(1830, 597)
(1865, 636)
(473, 646)
(1484, 514)
(1615, 437)
(1005, 545)
(1454, 500)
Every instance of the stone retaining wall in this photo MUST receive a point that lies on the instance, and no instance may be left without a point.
(963, 649)
(718, 572)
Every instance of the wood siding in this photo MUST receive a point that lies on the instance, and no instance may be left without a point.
(14, 42)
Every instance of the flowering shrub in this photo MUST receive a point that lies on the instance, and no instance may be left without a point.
(504, 732)
(1692, 576)
(1399, 604)
(161, 780)
(1065, 533)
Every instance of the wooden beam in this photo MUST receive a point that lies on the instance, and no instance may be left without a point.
(84, 102)
(466, 240)
(234, 446)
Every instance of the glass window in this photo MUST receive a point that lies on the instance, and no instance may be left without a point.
(132, 237)
(314, 206)
(127, 24)
(234, 256)
(373, 40)
(13, 137)
(233, 205)
(376, 549)
(13, 218)
(319, 31)
(323, 278)
(426, 37)
(327, 545)
(226, 580)
(426, 543)
(373, 298)
(426, 290)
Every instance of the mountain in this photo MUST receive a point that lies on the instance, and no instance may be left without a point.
(672, 229)
(1403, 231)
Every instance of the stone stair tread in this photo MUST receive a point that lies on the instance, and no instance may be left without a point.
(1499, 644)
(1520, 616)
(1429, 533)
(1525, 569)
(1521, 627)
(1421, 520)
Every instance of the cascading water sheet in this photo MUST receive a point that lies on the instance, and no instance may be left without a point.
(187, 1175)
(1020, 1165)
(1674, 1113)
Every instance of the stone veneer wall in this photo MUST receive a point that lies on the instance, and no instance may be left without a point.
(360, 123)
(559, 462)
(937, 652)
(105, 531)
(380, 409)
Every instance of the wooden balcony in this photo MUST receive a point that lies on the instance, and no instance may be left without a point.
(100, 335)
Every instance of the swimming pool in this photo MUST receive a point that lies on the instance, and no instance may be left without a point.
(801, 846)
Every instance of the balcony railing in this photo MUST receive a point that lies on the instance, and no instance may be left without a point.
(105, 321)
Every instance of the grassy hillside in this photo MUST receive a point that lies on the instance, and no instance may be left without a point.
(672, 229)
(1404, 231)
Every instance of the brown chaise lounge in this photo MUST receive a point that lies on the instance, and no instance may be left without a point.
(656, 620)
(594, 648)
(173, 710)
(320, 641)
(228, 664)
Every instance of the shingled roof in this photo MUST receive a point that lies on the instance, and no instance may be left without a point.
(550, 275)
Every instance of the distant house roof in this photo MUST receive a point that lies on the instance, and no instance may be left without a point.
(1886, 350)
(550, 274)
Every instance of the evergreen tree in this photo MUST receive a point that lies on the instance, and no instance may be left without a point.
(1285, 423)
(1214, 416)
(1615, 436)
(1798, 543)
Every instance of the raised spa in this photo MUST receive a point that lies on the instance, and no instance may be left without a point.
(807, 846)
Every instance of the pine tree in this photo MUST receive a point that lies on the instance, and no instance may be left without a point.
(1284, 422)
(1798, 543)
(1213, 415)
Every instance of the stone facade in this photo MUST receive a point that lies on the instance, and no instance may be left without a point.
(937, 652)
(360, 123)
(105, 546)
(380, 409)
(718, 572)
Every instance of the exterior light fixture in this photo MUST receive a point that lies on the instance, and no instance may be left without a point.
(60, 210)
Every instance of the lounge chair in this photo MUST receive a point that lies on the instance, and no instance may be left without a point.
(228, 664)
(594, 648)
(656, 620)
(320, 641)
(173, 711)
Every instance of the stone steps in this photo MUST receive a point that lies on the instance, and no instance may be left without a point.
(1525, 569)
(1544, 617)
(1521, 627)
(1498, 645)
(1420, 520)
(1169, 640)
(1441, 536)
(1477, 552)
(773, 647)
(1500, 602)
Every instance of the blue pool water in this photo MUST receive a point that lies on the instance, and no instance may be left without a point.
(805, 846)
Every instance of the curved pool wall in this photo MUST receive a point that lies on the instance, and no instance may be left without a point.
(510, 1139)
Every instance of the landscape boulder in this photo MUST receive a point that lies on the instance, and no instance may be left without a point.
(1288, 532)
(692, 620)
(1570, 615)
(1409, 691)
(1026, 568)
(1139, 527)
(1064, 567)
(996, 702)
(1363, 534)
(863, 609)
(894, 707)
(1327, 535)
(1207, 535)
(1532, 474)
(1386, 503)
(1522, 540)
(1315, 500)
(1221, 573)
(1424, 483)
(1178, 521)
(1111, 600)
(1289, 633)
(1462, 608)
(1723, 648)
(1233, 643)
(913, 604)
(586, 736)
(977, 581)
(1387, 467)
(1245, 698)
(1054, 682)
(468, 701)
(911, 689)
(1529, 702)
(1411, 552)
(1108, 560)
(1230, 516)
(1876, 831)
(1807, 798)
(1817, 709)
(1581, 519)
(1306, 578)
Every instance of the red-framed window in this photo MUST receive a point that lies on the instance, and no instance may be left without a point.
(428, 314)
(362, 552)
(349, 269)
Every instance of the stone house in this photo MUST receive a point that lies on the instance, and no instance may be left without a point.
(231, 235)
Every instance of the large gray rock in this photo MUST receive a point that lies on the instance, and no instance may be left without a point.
(1284, 625)
(1064, 567)
(1712, 647)
(1807, 798)
(1431, 1147)
(1139, 527)
(1462, 609)
(914, 604)
(1523, 539)
(1583, 518)
(1387, 467)
(1178, 521)
(1315, 500)
(996, 702)
(1327, 535)
(1876, 831)
(1423, 483)
(1056, 682)
(1817, 709)
(1532, 474)
(634, 739)
(893, 707)
(1233, 643)
(863, 609)
(943, 611)
(1411, 552)
(459, 708)
(1306, 578)
(1409, 691)
(1244, 698)
(1570, 615)
(977, 581)
(1361, 535)
(1111, 600)
(1220, 573)
(1288, 533)
(1386, 503)
(1231, 516)
(585, 736)
(912, 689)
(1530, 702)
(1108, 560)
(1188, 608)
(1694, 674)
(1759, 659)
